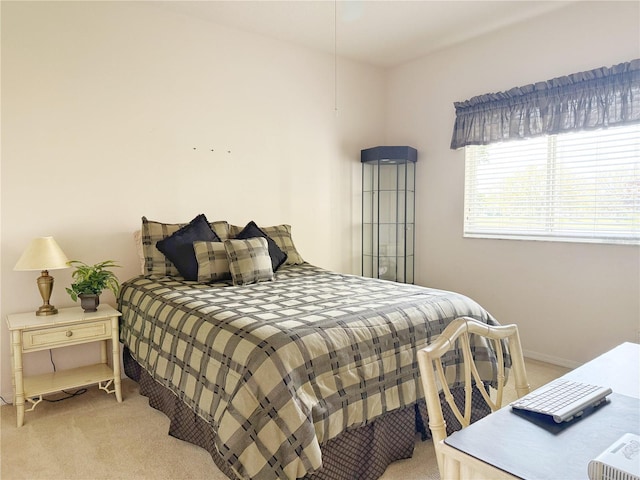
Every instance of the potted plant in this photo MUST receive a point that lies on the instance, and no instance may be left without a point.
(90, 281)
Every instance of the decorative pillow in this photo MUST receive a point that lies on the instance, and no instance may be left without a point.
(221, 229)
(249, 260)
(234, 230)
(281, 234)
(213, 264)
(155, 263)
(278, 257)
(179, 247)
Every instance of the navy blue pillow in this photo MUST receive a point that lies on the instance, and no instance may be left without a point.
(278, 257)
(179, 247)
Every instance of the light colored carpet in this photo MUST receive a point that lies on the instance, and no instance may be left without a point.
(91, 436)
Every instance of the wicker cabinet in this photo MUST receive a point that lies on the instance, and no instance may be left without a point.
(388, 212)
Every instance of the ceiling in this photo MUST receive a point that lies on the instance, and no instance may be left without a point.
(383, 33)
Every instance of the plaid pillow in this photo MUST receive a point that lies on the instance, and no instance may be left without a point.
(155, 263)
(249, 260)
(234, 230)
(213, 264)
(278, 257)
(281, 234)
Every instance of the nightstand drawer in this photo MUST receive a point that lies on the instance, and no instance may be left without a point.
(66, 335)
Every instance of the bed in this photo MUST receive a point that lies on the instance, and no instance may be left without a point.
(312, 374)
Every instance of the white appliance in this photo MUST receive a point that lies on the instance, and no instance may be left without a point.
(620, 461)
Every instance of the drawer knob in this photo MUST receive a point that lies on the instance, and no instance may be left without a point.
(69, 333)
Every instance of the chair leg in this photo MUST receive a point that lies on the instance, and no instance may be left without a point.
(451, 469)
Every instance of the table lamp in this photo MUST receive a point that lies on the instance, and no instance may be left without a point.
(43, 254)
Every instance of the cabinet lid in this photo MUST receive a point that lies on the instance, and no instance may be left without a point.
(396, 154)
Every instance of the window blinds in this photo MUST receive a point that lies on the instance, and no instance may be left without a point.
(579, 186)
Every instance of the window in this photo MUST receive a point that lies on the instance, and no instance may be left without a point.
(581, 186)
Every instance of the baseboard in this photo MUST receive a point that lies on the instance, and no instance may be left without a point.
(562, 362)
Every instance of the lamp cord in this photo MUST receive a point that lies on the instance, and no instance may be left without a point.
(69, 394)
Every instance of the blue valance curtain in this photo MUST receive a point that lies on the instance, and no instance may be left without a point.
(595, 99)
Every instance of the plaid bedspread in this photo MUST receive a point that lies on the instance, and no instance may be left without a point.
(279, 368)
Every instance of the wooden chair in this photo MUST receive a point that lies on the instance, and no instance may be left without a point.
(430, 363)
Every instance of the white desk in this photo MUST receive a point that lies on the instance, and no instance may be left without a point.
(509, 445)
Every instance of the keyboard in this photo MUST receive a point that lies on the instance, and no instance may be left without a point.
(562, 399)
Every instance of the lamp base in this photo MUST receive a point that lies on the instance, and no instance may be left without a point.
(45, 286)
(46, 310)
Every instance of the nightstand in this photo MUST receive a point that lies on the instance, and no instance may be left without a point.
(70, 326)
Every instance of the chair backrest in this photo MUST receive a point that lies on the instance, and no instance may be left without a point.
(434, 379)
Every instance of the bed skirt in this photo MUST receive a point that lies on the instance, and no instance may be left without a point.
(361, 453)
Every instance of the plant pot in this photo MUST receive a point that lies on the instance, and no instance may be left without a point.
(89, 301)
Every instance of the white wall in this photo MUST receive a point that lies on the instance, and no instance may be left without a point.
(571, 301)
(102, 106)
(112, 97)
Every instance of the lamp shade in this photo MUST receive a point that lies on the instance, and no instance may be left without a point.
(43, 253)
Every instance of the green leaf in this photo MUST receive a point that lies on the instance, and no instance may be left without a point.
(92, 278)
